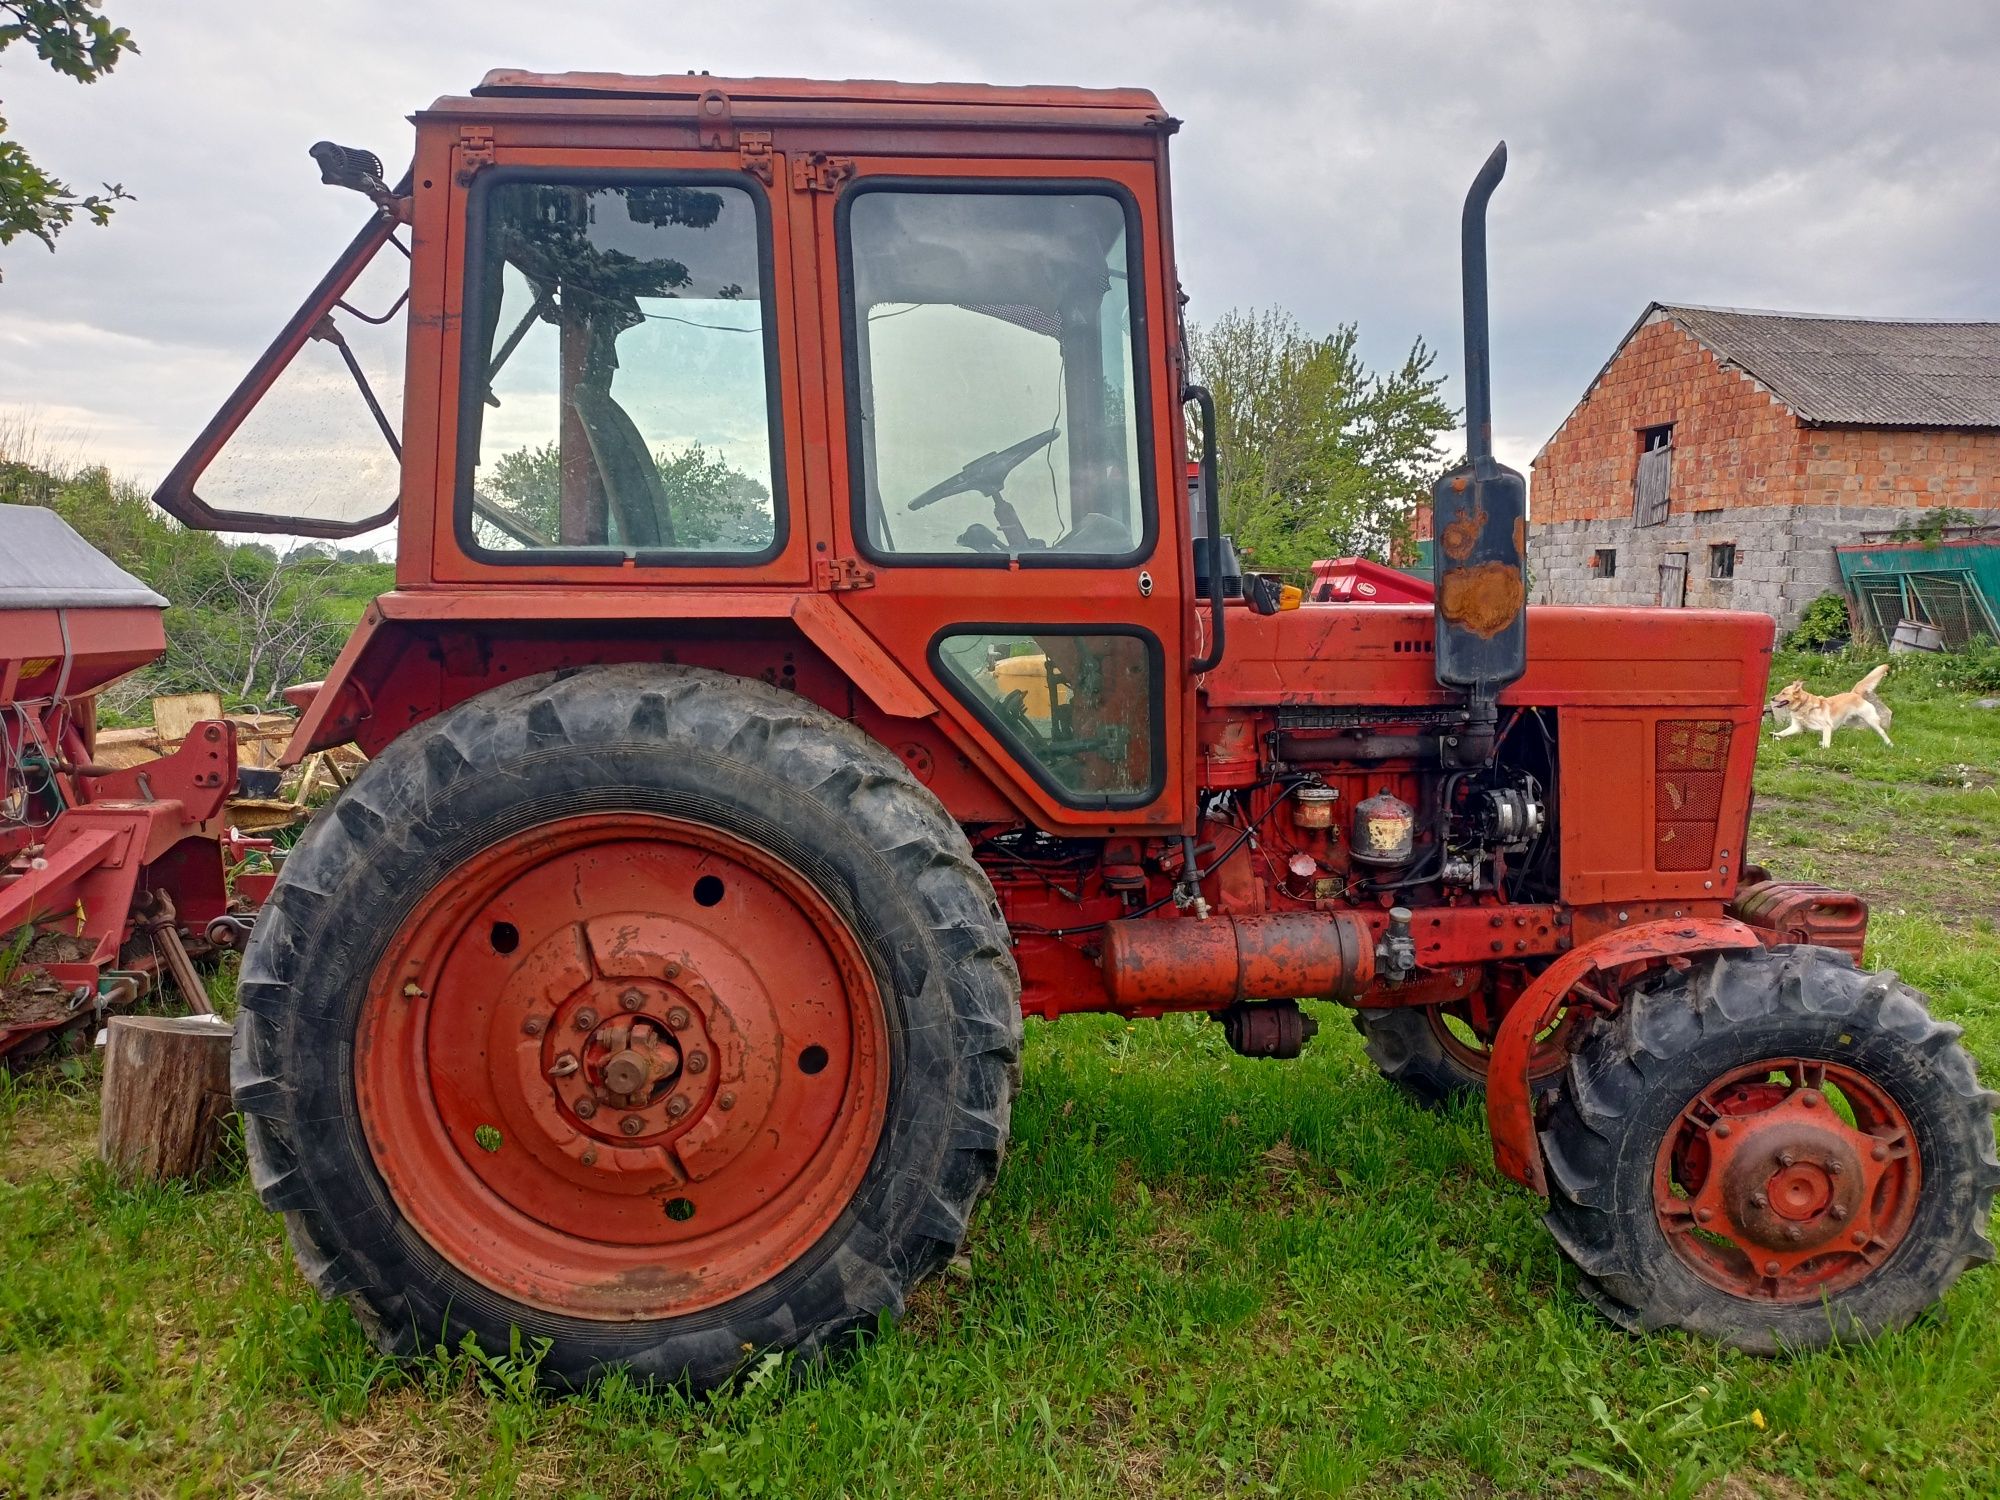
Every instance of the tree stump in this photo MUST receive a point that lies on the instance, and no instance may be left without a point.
(166, 1095)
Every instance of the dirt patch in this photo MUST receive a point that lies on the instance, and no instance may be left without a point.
(407, 1445)
(53, 1140)
(1910, 864)
(1753, 1487)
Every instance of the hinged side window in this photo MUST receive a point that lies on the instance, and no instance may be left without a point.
(309, 442)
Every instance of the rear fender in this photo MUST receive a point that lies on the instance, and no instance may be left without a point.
(380, 686)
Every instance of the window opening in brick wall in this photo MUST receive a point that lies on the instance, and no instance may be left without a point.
(1656, 464)
(1722, 560)
(1604, 562)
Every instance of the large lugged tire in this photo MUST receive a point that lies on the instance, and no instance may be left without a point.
(1773, 1149)
(648, 1010)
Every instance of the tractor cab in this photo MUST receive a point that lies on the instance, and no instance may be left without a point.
(685, 345)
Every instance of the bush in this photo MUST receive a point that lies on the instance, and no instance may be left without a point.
(1823, 627)
(1976, 669)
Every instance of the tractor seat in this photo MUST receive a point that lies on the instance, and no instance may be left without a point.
(631, 478)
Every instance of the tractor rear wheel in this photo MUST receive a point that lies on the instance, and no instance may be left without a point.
(1773, 1149)
(648, 1010)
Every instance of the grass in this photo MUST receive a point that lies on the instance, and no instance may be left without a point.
(1200, 1274)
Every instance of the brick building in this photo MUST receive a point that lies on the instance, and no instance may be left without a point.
(1720, 455)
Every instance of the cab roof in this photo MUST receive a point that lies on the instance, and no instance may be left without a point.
(517, 83)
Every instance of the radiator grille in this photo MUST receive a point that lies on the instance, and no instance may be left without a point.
(1689, 757)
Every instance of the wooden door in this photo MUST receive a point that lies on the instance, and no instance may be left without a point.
(1674, 580)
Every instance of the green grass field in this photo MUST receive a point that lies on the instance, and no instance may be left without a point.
(1200, 1274)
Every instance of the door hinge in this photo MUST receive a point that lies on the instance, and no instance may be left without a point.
(754, 148)
(816, 172)
(475, 150)
(833, 574)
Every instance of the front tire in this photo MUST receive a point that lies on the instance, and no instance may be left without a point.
(1772, 1149)
(648, 1010)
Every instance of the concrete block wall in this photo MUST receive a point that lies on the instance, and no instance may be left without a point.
(1784, 556)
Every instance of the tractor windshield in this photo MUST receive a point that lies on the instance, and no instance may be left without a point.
(994, 401)
(617, 380)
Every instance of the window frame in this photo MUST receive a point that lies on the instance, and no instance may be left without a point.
(1156, 715)
(1718, 554)
(471, 372)
(851, 351)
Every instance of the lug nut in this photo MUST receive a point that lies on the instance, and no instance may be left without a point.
(1793, 1232)
(1703, 1215)
(673, 970)
(697, 1062)
(590, 1156)
(1858, 1237)
(585, 1107)
(1758, 1200)
(585, 1019)
(678, 1018)
(1722, 1128)
(631, 1125)
(1833, 1167)
(1810, 1099)
(1786, 1158)
(631, 999)
(727, 1101)
(677, 1106)
(533, 1026)
(1837, 1212)
(1770, 1268)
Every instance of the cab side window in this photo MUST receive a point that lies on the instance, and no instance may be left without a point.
(618, 380)
(995, 403)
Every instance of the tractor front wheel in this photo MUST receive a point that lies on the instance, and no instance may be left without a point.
(1772, 1149)
(647, 1010)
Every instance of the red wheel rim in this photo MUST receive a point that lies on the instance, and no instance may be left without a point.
(622, 1066)
(1768, 1190)
(1475, 1053)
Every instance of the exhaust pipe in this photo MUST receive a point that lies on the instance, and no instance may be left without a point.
(1480, 509)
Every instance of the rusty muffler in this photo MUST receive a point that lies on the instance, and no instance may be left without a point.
(1189, 964)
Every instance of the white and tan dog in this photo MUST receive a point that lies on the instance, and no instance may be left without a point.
(1858, 703)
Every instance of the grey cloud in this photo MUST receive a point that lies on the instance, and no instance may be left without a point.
(1828, 157)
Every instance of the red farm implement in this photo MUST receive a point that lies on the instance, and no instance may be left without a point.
(106, 876)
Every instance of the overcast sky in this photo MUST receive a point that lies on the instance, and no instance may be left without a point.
(1833, 156)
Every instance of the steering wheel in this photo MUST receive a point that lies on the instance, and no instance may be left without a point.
(987, 475)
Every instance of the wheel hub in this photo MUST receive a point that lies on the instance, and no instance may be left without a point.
(1768, 1191)
(623, 1066)
(1790, 1179)
(628, 1062)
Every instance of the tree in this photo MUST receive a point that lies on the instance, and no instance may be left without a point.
(1317, 456)
(248, 621)
(71, 37)
(715, 506)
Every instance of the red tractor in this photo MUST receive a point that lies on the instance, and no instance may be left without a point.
(802, 666)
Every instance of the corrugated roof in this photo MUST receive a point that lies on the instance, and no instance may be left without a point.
(46, 565)
(1862, 372)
